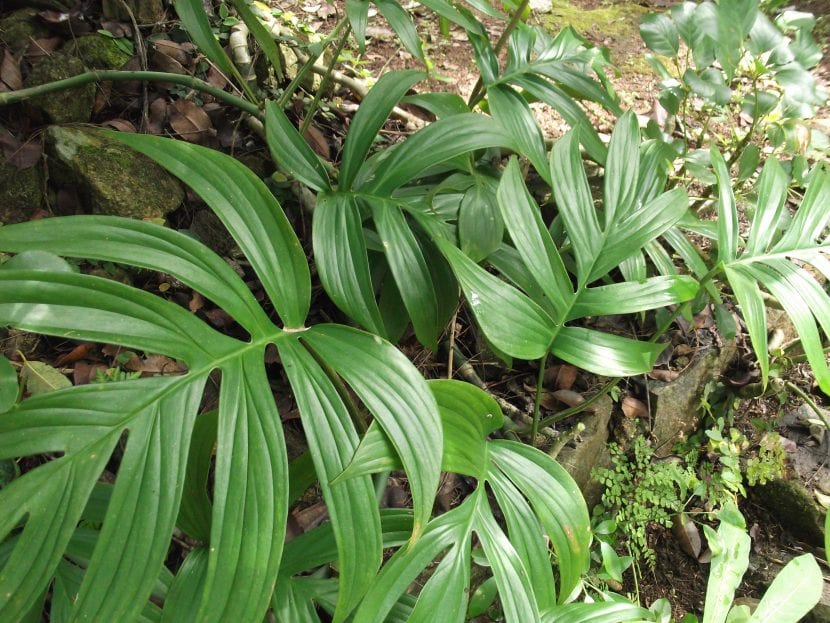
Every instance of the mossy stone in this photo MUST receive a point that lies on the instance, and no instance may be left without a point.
(21, 193)
(144, 11)
(97, 52)
(794, 506)
(109, 177)
(67, 106)
(19, 27)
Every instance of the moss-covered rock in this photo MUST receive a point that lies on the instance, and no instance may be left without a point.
(97, 52)
(21, 193)
(109, 177)
(145, 11)
(71, 105)
(19, 27)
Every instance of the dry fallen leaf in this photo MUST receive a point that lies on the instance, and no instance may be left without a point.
(173, 50)
(10, 77)
(560, 376)
(664, 375)
(22, 155)
(317, 141)
(189, 121)
(633, 408)
(687, 535)
(122, 125)
(76, 354)
(43, 47)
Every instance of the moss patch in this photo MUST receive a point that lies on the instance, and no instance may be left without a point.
(18, 28)
(21, 193)
(97, 52)
(71, 105)
(616, 26)
(110, 178)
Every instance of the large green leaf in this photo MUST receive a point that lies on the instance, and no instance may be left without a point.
(605, 353)
(792, 594)
(730, 558)
(369, 119)
(248, 210)
(290, 149)
(514, 324)
(512, 111)
(244, 526)
(342, 260)
(397, 396)
(630, 297)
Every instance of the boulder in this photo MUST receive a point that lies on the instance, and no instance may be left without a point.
(20, 27)
(676, 404)
(97, 51)
(21, 192)
(589, 450)
(69, 105)
(144, 11)
(109, 177)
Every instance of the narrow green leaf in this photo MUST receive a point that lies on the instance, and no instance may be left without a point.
(351, 504)
(445, 531)
(752, 307)
(515, 590)
(196, 508)
(263, 37)
(447, 589)
(370, 118)
(138, 243)
(290, 149)
(397, 396)
(250, 508)
(512, 111)
(342, 260)
(357, 12)
(8, 385)
(526, 536)
(249, 211)
(291, 604)
(514, 323)
(622, 170)
(797, 298)
(408, 266)
(510, 265)
(402, 24)
(558, 503)
(194, 19)
(792, 594)
(812, 216)
(439, 104)
(597, 612)
(631, 297)
(772, 194)
(102, 310)
(437, 142)
(727, 211)
(604, 353)
(532, 240)
(730, 548)
(573, 114)
(628, 236)
(573, 198)
(182, 601)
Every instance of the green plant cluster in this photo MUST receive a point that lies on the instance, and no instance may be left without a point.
(397, 236)
(640, 491)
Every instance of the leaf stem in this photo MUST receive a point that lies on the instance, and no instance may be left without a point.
(478, 90)
(537, 403)
(324, 83)
(13, 97)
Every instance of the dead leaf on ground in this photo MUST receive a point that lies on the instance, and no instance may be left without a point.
(189, 121)
(687, 535)
(633, 408)
(154, 365)
(173, 50)
(161, 62)
(85, 373)
(663, 375)
(76, 354)
(122, 125)
(317, 141)
(41, 378)
(43, 47)
(560, 376)
(118, 29)
(10, 77)
(20, 154)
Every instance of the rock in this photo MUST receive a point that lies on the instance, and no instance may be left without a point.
(97, 52)
(794, 506)
(67, 106)
(109, 177)
(144, 11)
(55, 5)
(19, 27)
(590, 451)
(21, 192)
(676, 404)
